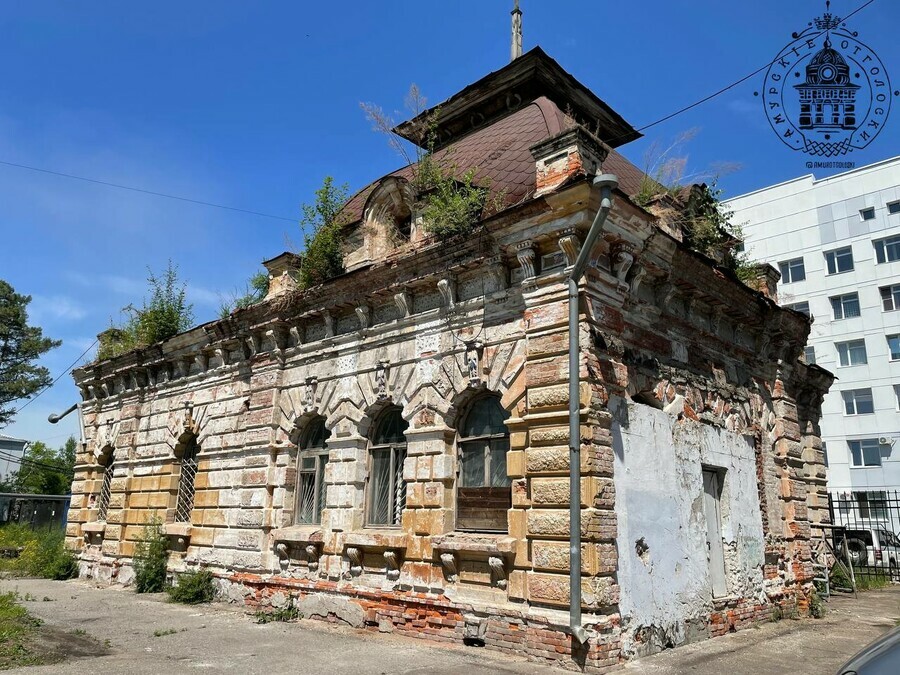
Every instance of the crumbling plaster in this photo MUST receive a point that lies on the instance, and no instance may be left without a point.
(663, 566)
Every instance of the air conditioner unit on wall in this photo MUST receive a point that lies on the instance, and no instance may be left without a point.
(884, 440)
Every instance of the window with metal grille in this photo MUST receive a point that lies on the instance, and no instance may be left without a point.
(483, 494)
(387, 491)
(185, 502)
(311, 461)
(106, 488)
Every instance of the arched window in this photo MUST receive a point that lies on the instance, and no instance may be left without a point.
(311, 461)
(387, 450)
(483, 495)
(185, 502)
(106, 487)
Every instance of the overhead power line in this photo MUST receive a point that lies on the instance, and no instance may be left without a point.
(58, 377)
(261, 214)
(144, 191)
(21, 461)
(721, 91)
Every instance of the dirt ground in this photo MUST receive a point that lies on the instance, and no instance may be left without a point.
(112, 630)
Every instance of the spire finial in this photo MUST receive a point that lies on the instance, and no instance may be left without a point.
(516, 46)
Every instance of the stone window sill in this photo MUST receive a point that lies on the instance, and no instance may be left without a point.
(299, 534)
(180, 530)
(471, 542)
(391, 539)
(94, 527)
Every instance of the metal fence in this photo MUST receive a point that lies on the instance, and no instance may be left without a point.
(865, 532)
(36, 511)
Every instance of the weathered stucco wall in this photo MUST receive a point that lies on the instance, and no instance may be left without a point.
(664, 571)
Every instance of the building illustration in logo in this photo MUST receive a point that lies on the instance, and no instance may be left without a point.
(828, 97)
(843, 96)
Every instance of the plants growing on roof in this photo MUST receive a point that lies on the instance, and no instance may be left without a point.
(323, 255)
(254, 291)
(692, 203)
(164, 315)
(450, 202)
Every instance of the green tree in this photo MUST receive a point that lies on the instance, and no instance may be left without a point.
(20, 346)
(323, 255)
(166, 314)
(43, 471)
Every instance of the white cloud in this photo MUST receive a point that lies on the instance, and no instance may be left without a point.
(203, 296)
(57, 307)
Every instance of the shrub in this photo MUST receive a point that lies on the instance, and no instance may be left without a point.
(816, 605)
(151, 555)
(323, 255)
(165, 315)
(193, 588)
(42, 554)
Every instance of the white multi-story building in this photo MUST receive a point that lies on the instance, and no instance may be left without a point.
(836, 242)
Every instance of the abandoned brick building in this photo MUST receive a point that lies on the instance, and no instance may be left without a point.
(390, 449)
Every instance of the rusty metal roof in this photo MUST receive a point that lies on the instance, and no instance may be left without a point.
(502, 159)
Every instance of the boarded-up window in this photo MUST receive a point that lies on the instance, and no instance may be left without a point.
(387, 491)
(483, 494)
(311, 473)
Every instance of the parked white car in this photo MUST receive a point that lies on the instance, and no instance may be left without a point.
(871, 547)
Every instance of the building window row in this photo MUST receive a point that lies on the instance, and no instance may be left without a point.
(840, 260)
(483, 491)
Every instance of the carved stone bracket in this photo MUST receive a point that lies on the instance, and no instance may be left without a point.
(381, 376)
(392, 562)
(296, 339)
(223, 354)
(569, 244)
(362, 313)
(403, 302)
(448, 293)
(280, 337)
(252, 345)
(284, 557)
(312, 556)
(496, 268)
(189, 424)
(525, 254)
(451, 566)
(498, 571)
(309, 394)
(474, 354)
(355, 556)
(329, 324)
(622, 259)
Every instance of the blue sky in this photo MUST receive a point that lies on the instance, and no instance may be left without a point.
(252, 104)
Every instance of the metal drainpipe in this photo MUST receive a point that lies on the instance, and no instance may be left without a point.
(606, 183)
